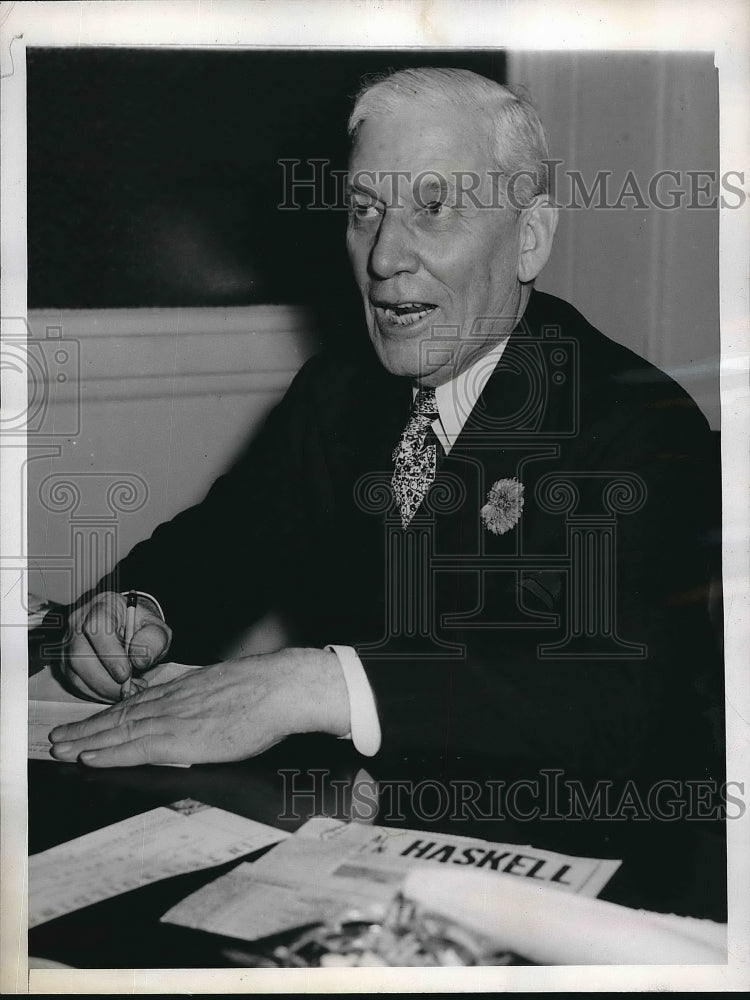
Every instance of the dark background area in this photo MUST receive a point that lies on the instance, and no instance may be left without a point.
(153, 175)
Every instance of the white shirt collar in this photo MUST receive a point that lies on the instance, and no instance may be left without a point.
(457, 398)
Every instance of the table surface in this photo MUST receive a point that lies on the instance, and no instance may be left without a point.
(670, 867)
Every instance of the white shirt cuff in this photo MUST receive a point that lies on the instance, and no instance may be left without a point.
(365, 724)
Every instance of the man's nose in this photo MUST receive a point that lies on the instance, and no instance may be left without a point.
(393, 250)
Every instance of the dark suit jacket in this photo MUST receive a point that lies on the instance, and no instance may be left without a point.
(578, 639)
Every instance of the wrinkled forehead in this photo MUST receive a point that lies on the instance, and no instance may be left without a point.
(414, 140)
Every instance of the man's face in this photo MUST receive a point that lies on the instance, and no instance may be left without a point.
(438, 273)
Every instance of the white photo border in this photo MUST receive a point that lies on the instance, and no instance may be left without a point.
(515, 24)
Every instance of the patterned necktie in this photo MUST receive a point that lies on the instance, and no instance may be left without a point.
(415, 462)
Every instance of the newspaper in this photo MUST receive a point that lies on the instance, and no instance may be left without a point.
(170, 840)
(329, 868)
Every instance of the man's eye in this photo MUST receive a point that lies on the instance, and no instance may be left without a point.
(435, 208)
(363, 209)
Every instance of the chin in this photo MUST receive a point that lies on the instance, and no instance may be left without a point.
(398, 359)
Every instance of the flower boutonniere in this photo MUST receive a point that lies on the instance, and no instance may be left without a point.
(504, 505)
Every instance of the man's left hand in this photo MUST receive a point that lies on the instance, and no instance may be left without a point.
(225, 712)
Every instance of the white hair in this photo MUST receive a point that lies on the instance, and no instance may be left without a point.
(518, 142)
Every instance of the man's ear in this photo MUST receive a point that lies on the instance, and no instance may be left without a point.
(538, 224)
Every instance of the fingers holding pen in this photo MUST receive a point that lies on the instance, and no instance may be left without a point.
(95, 659)
(109, 639)
(149, 642)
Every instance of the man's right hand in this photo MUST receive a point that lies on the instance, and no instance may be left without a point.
(96, 662)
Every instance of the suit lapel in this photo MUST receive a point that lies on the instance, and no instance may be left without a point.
(497, 438)
(367, 430)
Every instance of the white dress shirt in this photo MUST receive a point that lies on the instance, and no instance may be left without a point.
(455, 401)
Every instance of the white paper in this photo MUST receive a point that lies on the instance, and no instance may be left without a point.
(246, 905)
(44, 686)
(186, 836)
(391, 849)
(50, 705)
(330, 868)
(549, 929)
(45, 715)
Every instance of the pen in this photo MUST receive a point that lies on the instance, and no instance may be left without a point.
(126, 688)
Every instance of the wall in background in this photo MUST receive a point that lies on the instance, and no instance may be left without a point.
(647, 277)
(146, 408)
(154, 175)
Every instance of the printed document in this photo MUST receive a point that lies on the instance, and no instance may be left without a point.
(171, 840)
(329, 868)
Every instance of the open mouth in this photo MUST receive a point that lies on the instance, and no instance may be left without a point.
(405, 313)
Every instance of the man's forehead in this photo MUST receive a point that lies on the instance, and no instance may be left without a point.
(421, 140)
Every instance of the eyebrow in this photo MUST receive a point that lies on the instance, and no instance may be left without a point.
(351, 188)
(367, 189)
(427, 189)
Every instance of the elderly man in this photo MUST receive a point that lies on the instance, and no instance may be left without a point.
(489, 536)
